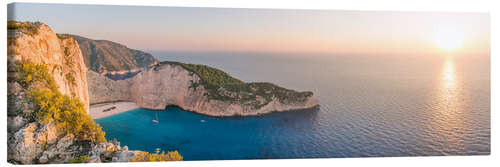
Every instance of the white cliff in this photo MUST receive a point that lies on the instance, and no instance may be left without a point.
(31, 142)
(60, 54)
(171, 84)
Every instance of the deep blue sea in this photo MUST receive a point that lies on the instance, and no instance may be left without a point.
(370, 106)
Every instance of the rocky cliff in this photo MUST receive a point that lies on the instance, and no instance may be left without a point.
(173, 83)
(102, 89)
(50, 88)
(104, 56)
(38, 44)
(47, 86)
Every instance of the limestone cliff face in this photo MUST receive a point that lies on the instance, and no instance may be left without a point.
(156, 88)
(30, 142)
(74, 70)
(60, 54)
(170, 84)
(102, 89)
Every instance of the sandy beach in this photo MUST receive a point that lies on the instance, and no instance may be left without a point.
(97, 111)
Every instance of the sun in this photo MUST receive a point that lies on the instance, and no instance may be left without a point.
(448, 39)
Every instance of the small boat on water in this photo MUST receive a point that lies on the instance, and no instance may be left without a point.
(156, 120)
(202, 121)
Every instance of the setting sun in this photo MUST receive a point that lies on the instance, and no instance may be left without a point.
(448, 39)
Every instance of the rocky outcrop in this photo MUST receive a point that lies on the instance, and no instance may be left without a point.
(33, 145)
(104, 56)
(172, 84)
(38, 44)
(102, 89)
(30, 142)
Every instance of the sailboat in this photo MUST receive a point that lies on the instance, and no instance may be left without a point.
(156, 120)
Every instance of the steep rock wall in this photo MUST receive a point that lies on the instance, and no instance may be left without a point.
(102, 89)
(169, 84)
(28, 141)
(62, 55)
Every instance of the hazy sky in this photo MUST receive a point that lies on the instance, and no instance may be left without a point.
(264, 30)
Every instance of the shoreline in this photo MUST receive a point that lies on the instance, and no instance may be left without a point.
(107, 109)
(102, 110)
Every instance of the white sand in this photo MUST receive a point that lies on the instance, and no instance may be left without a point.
(97, 111)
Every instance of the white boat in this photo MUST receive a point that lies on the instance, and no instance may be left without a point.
(203, 120)
(156, 120)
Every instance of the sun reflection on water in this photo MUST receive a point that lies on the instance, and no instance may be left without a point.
(449, 82)
(447, 117)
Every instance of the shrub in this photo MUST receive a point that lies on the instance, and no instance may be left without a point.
(30, 28)
(81, 159)
(148, 157)
(50, 105)
(66, 52)
(67, 57)
(63, 36)
(31, 73)
(70, 78)
(67, 113)
(212, 76)
(209, 75)
(13, 25)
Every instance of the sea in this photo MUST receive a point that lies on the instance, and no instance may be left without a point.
(370, 106)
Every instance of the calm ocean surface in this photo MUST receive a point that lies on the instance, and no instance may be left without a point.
(370, 106)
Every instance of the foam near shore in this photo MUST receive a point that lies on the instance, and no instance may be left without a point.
(102, 110)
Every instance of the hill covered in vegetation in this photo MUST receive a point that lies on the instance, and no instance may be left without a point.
(224, 87)
(103, 56)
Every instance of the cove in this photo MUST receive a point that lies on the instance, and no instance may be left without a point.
(199, 137)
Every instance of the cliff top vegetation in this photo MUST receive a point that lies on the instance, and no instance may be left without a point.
(27, 27)
(222, 86)
(51, 106)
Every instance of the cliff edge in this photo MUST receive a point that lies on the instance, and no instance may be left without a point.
(47, 119)
(106, 56)
(200, 89)
(36, 43)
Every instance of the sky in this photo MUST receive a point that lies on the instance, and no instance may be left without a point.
(267, 30)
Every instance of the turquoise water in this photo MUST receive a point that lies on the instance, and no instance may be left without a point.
(370, 106)
(215, 138)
